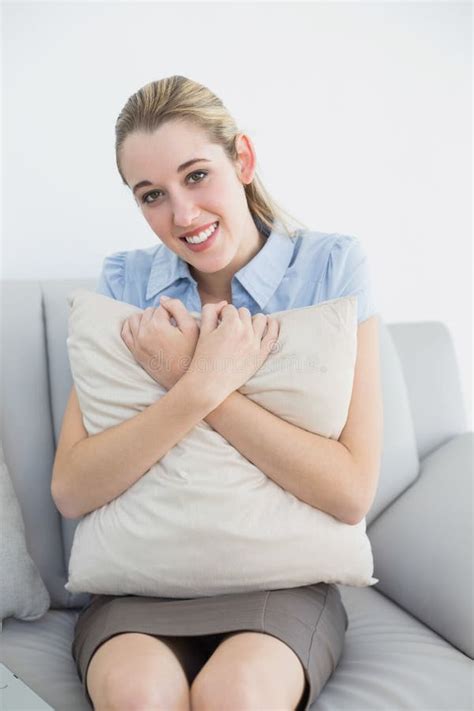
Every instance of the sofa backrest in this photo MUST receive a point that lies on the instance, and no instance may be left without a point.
(433, 381)
(36, 382)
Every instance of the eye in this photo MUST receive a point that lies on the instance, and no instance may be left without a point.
(146, 195)
(198, 172)
(144, 198)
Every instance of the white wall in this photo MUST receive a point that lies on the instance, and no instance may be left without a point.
(360, 114)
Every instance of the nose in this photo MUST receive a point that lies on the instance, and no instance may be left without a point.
(185, 213)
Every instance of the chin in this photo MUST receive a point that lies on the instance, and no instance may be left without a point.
(216, 266)
(208, 264)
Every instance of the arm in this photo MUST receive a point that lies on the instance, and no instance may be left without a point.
(338, 477)
(89, 472)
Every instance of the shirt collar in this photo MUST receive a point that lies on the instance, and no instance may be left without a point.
(260, 277)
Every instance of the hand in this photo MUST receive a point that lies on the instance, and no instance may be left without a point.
(228, 353)
(162, 349)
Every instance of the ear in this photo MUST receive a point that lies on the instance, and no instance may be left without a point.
(246, 161)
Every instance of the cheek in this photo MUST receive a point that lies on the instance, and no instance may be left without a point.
(150, 216)
(156, 223)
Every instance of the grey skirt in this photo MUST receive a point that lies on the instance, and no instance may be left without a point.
(311, 620)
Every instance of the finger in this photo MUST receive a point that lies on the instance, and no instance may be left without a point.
(147, 314)
(179, 312)
(245, 316)
(228, 311)
(209, 316)
(134, 323)
(127, 336)
(219, 306)
(165, 317)
(259, 323)
(145, 317)
(161, 315)
(270, 341)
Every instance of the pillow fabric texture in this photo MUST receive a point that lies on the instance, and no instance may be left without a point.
(204, 520)
(23, 593)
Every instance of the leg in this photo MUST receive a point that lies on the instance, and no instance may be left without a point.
(249, 671)
(138, 672)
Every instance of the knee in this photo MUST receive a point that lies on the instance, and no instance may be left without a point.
(135, 694)
(217, 692)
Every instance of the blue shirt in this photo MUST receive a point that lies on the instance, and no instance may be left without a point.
(287, 272)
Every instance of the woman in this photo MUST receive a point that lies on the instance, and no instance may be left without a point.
(192, 172)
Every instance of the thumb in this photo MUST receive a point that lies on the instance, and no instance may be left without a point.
(209, 316)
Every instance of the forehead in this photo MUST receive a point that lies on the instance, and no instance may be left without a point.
(154, 156)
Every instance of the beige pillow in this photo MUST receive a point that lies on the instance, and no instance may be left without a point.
(204, 520)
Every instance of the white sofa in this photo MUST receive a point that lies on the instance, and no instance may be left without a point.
(409, 644)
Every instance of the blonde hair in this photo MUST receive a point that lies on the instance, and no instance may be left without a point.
(180, 98)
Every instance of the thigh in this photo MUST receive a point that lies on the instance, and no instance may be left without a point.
(135, 665)
(252, 668)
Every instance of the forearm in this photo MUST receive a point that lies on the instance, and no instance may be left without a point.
(318, 470)
(103, 466)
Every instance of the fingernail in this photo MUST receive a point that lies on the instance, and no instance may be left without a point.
(163, 298)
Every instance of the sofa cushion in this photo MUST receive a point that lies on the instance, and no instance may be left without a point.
(422, 544)
(22, 592)
(390, 661)
(203, 505)
(40, 653)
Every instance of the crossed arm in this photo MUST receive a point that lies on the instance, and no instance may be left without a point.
(336, 476)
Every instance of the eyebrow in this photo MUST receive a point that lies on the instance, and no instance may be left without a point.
(182, 167)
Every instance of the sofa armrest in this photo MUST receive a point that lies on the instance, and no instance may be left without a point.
(423, 544)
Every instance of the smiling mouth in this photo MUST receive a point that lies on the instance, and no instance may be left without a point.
(214, 227)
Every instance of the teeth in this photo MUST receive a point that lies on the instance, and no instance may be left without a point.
(202, 236)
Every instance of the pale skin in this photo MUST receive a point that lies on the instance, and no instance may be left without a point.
(248, 670)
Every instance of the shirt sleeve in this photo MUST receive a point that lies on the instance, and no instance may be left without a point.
(112, 277)
(349, 274)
